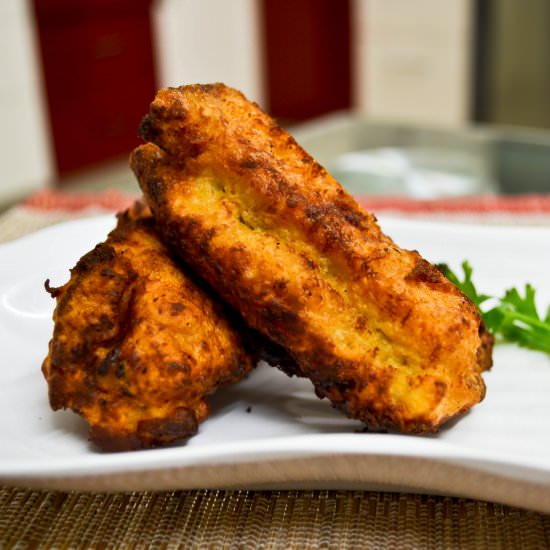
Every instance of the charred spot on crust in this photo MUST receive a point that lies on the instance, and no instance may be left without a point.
(112, 359)
(150, 433)
(56, 393)
(245, 222)
(360, 323)
(100, 331)
(249, 164)
(138, 214)
(317, 170)
(101, 254)
(120, 371)
(276, 313)
(280, 284)
(155, 189)
(276, 355)
(340, 386)
(192, 150)
(207, 88)
(425, 272)
(292, 202)
(160, 431)
(205, 238)
(485, 350)
(175, 366)
(147, 130)
(353, 217)
(315, 213)
(112, 442)
(52, 290)
(176, 308)
(161, 110)
(307, 262)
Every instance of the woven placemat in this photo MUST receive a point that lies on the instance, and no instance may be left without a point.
(263, 519)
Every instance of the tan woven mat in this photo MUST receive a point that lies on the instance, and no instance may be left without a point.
(280, 519)
(264, 519)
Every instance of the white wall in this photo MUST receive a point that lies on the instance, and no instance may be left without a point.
(412, 60)
(24, 150)
(203, 41)
(196, 41)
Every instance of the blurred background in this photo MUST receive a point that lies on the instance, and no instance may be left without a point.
(416, 97)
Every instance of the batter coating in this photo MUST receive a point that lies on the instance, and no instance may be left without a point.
(137, 346)
(378, 329)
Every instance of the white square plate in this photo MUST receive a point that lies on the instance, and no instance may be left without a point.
(270, 431)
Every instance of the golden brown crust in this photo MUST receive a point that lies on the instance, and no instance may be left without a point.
(377, 329)
(137, 345)
(485, 350)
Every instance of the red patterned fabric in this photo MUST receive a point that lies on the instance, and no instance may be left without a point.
(114, 200)
(51, 199)
(511, 204)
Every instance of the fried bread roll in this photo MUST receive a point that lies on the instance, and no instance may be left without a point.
(377, 329)
(137, 346)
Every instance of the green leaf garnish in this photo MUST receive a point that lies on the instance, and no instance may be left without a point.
(514, 318)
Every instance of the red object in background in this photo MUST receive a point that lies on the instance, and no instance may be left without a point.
(308, 57)
(99, 72)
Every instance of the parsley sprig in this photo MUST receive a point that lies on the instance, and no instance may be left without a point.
(514, 318)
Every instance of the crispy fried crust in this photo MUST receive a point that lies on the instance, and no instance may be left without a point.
(137, 346)
(377, 329)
